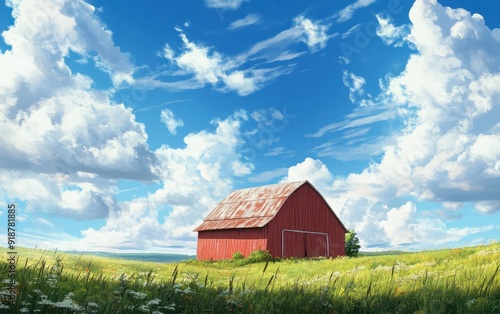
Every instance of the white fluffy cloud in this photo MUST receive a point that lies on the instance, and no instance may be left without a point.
(314, 34)
(167, 116)
(62, 136)
(448, 152)
(398, 222)
(194, 178)
(442, 154)
(444, 149)
(312, 170)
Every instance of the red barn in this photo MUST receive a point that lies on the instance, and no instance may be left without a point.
(288, 220)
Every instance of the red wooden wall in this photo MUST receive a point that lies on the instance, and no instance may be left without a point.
(222, 244)
(305, 210)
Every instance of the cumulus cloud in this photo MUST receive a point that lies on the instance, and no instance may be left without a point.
(167, 117)
(194, 178)
(314, 35)
(397, 223)
(312, 170)
(62, 27)
(447, 151)
(65, 137)
(451, 96)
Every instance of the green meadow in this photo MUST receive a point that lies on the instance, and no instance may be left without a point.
(464, 280)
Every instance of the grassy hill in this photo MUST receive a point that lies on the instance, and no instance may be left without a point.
(465, 280)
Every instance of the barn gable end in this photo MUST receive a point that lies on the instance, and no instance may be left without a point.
(288, 219)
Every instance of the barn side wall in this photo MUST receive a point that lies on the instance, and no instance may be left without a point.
(306, 210)
(222, 244)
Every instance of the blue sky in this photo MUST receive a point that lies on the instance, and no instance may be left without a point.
(123, 124)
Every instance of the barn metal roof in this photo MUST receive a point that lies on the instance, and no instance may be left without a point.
(249, 208)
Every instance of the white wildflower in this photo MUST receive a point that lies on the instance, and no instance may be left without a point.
(154, 302)
(137, 295)
(470, 303)
(380, 267)
(52, 280)
(170, 307)
(68, 304)
(487, 252)
(45, 302)
(177, 287)
(144, 308)
(355, 270)
(400, 266)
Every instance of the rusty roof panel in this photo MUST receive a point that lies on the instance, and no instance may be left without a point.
(246, 209)
(233, 223)
(249, 208)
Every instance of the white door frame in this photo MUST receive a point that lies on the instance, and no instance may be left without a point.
(303, 231)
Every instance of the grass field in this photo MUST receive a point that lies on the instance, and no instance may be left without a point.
(465, 280)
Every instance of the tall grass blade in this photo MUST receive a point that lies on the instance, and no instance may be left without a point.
(490, 282)
(265, 267)
(269, 283)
